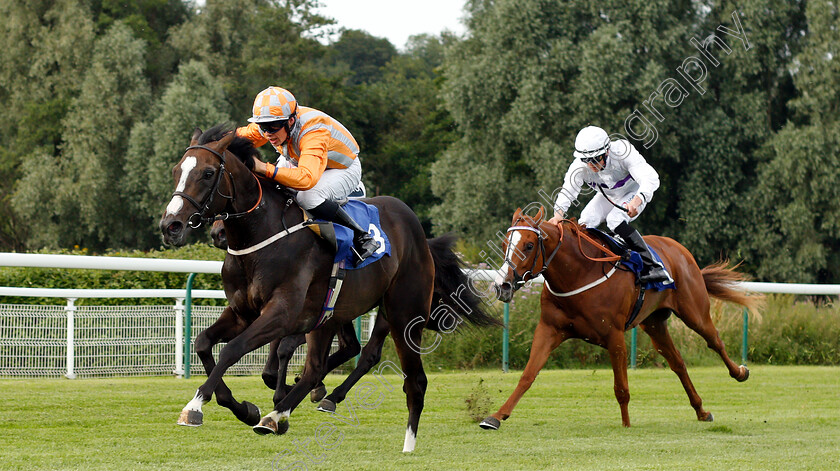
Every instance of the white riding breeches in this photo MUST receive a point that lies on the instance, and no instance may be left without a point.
(599, 209)
(334, 184)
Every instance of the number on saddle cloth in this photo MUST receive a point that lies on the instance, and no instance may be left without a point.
(367, 216)
(632, 260)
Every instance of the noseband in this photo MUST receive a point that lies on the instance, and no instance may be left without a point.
(199, 217)
(520, 280)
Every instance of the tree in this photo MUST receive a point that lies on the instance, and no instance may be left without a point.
(530, 75)
(723, 131)
(412, 126)
(149, 20)
(45, 47)
(795, 232)
(83, 193)
(251, 44)
(363, 54)
(193, 99)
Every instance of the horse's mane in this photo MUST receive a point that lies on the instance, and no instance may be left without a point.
(241, 147)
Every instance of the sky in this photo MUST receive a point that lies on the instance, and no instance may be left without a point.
(396, 20)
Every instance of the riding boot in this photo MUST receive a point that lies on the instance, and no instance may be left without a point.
(653, 271)
(363, 244)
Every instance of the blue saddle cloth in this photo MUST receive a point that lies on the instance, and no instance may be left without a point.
(367, 216)
(634, 261)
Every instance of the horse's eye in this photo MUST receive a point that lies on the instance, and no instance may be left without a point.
(529, 246)
(208, 174)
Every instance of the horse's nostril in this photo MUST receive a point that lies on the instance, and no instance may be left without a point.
(174, 228)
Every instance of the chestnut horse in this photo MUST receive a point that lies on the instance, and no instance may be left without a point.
(588, 296)
(277, 286)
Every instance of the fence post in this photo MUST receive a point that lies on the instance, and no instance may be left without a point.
(179, 337)
(506, 340)
(744, 345)
(188, 325)
(358, 322)
(70, 309)
(633, 340)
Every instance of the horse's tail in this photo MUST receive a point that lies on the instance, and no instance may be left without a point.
(721, 283)
(452, 289)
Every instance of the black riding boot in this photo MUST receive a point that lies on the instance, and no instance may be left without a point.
(653, 271)
(363, 244)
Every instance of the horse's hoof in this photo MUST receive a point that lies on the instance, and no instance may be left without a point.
(709, 418)
(268, 425)
(254, 415)
(318, 393)
(746, 372)
(191, 418)
(326, 405)
(265, 426)
(490, 423)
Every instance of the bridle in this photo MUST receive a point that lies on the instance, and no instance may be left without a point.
(200, 217)
(518, 279)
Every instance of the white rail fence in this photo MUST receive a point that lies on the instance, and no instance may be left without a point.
(73, 340)
(90, 341)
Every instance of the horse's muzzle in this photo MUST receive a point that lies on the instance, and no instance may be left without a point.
(173, 231)
(504, 291)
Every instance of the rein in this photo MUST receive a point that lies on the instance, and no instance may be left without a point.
(611, 257)
(198, 218)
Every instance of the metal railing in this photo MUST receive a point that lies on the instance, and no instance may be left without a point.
(183, 298)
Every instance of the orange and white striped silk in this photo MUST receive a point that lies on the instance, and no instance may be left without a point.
(318, 142)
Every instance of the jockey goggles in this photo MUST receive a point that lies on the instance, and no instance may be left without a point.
(594, 160)
(272, 127)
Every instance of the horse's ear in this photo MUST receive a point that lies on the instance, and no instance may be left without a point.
(225, 141)
(540, 214)
(517, 213)
(196, 134)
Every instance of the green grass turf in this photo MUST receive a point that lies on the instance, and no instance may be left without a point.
(782, 418)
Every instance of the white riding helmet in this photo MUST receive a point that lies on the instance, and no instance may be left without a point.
(591, 141)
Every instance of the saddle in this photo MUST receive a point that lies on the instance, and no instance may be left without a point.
(633, 262)
(340, 240)
(629, 258)
(325, 229)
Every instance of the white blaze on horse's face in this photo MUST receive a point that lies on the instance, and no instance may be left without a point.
(513, 242)
(177, 202)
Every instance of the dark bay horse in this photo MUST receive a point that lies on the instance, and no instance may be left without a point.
(280, 351)
(277, 289)
(585, 297)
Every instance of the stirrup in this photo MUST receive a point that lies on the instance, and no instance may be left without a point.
(656, 274)
(368, 248)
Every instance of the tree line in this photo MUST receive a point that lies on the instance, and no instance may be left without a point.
(734, 103)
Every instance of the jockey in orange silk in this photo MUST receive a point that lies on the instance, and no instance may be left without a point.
(318, 157)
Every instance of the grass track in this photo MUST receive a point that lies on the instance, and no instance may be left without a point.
(782, 418)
